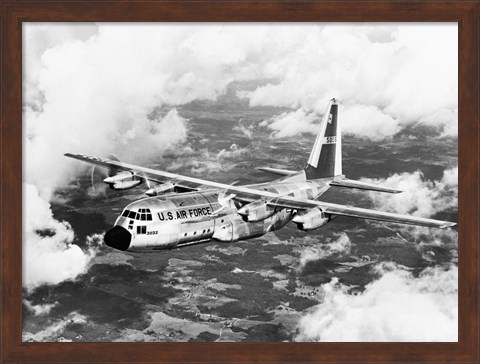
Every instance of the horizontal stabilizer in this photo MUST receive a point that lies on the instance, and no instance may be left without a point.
(281, 172)
(348, 183)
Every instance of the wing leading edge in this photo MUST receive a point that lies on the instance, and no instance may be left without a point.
(276, 200)
(348, 183)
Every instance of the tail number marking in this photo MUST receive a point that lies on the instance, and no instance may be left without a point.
(330, 140)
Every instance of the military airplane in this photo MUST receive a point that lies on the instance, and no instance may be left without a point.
(182, 211)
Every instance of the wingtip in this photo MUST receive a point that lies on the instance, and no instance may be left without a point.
(448, 225)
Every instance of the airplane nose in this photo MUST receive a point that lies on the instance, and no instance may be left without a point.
(118, 238)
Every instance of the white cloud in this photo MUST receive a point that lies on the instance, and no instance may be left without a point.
(52, 332)
(420, 197)
(49, 254)
(49, 137)
(233, 152)
(45, 36)
(368, 122)
(292, 123)
(442, 119)
(409, 76)
(39, 310)
(360, 120)
(342, 245)
(91, 89)
(96, 96)
(246, 130)
(396, 307)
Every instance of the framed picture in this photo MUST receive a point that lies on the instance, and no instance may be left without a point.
(239, 181)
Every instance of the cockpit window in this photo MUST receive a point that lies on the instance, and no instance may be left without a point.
(142, 214)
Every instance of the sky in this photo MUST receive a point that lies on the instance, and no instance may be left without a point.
(98, 88)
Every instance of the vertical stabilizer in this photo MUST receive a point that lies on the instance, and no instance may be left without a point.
(326, 156)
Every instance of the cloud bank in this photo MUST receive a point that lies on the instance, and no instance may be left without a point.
(342, 245)
(420, 197)
(292, 123)
(39, 310)
(396, 307)
(97, 89)
(49, 254)
(386, 76)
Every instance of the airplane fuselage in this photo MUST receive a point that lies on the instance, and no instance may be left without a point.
(227, 213)
(181, 219)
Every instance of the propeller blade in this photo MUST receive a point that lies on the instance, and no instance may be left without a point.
(92, 178)
(95, 173)
(111, 171)
(146, 180)
(225, 200)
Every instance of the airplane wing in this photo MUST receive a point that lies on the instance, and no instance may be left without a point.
(140, 171)
(369, 214)
(276, 200)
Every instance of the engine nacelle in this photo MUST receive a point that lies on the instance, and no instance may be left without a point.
(160, 189)
(125, 185)
(256, 211)
(311, 219)
(123, 181)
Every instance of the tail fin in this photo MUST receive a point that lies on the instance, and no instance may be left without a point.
(326, 156)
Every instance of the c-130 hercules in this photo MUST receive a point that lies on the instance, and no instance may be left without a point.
(183, 211)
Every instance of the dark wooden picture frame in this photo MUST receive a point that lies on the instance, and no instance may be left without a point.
(14, 13)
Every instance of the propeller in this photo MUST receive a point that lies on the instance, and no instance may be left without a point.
(102, 173)
(277, 216)
(146, 180)
(224, 199)
(94, 180)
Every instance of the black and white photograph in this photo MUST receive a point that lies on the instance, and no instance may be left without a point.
(240, 182)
